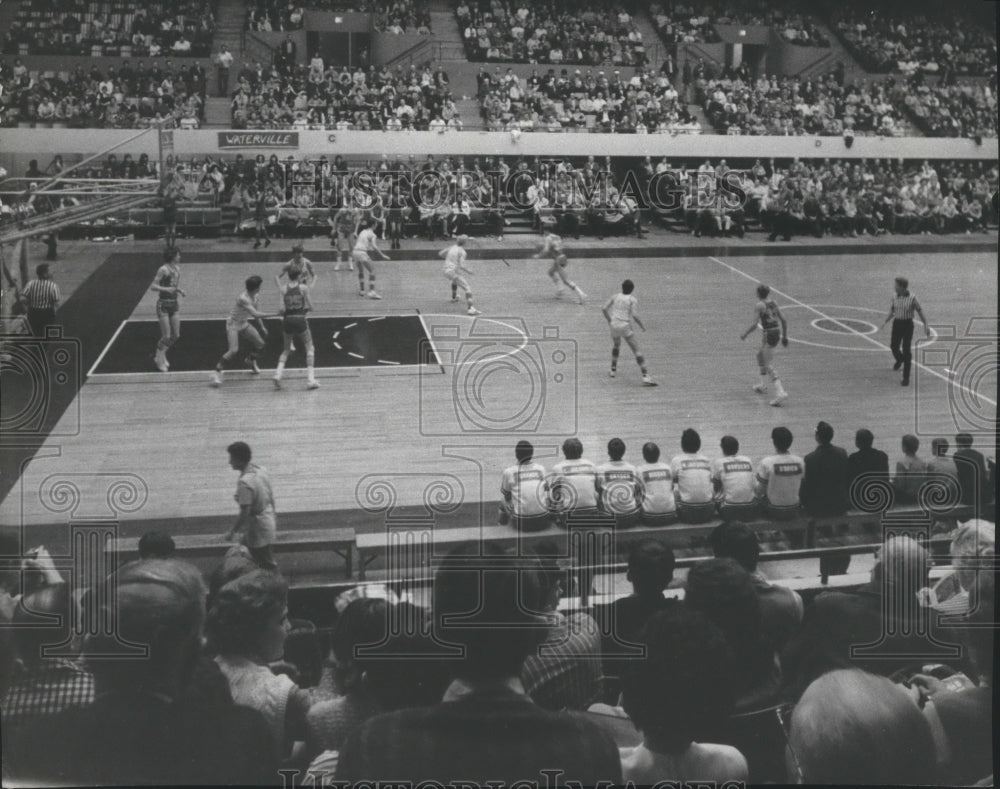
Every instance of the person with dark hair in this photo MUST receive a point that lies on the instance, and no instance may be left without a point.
(973, 472)
(167, 283)
(260, 195)
(247, 626)
(256, 524)
(733, 479)
(724, 592)
(693, 478)
(867, 460)
(650, 571)
(42, 684)
(295, 306)
(656, 480)
(620, 313)
(486, 608)
(779, 477)
(236, 562)
(773, 328)
(41, 296)
(618, 487)
(142, 728)
(573, 484)
(824, 488)
(854, 728)
(901, 310)
(524, 488)
(780, 607)
(364, 246)
(565, 671)
(911, 471)
(677, 697)
(238, 326)
(156, 545)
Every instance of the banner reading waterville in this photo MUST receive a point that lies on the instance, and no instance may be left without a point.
(241, 139)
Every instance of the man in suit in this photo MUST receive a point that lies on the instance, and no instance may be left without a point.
(287, 53)
(824, 489)
(485, 728)
(867, 460)
(973, 475)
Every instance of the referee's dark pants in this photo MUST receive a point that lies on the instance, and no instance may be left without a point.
(39, 318)
(900, 344)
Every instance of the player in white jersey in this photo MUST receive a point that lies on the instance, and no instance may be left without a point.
(302, 264)
(659, 505)
(779, 477)
(552, 245)
(295, 304)
(618, 487)
(773, 328)
(733, 478)
(167, 284)
(620, 312)
(573, 484)
(524, 488)
(361, 255)
(454, 266)
(238, 325)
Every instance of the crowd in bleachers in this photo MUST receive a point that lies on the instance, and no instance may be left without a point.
(388, 16)
(183, 28)
(496, 678)
(588, 33)
(315, 97)
(271, 15)
(684, 23)
(943, 43)
(953, 110)
(124, 97)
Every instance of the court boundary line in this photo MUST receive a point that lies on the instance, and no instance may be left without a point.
(947, 379)
(525, 339)
(800, 341)
(107, 347)
(430, 339)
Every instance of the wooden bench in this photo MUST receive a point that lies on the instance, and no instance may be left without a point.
(192, 546)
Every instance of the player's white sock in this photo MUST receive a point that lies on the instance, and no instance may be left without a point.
(762, 386)
(779, 389)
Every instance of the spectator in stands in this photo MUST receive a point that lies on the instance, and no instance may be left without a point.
(971, 543)
(733, 479)
(866, 461)
(42, 685)
(854, 728)
(780, 607)
(911, 472)
(247, 627)
(573, 484)
(824, 489)
(564, 673)
(618, 487)
(141, 728)
(973, 472)
(693, 477)
(525, 492)
(875, 628)
(779, 477)
(156, 545)
(364, 621)
(724, 592)
(677, 697)
(941, 465)
(659, 506)
(482, 602)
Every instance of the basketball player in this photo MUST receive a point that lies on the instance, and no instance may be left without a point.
(773, 328)
(260, 207)
(552, 245)
(295, 324)
(238, 325)
(362, 247)
(454, 267)
(301, 264)
(620, 312)
(167, 285)
(344, 227)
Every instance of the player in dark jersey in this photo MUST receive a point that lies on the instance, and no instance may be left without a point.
(260, 206)
(295, 324)
(167, 285)
(774, 329)
(397, 205)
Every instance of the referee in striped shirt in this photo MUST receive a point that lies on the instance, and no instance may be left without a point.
(901, 310)
(41, 296)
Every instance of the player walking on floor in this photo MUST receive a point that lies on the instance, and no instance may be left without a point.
(362, 247)
(167, 285)
(238, 325)
(454, 267)
(345, 227)
(774, 327)
(620, 312)
(295, 325)
(552, 245)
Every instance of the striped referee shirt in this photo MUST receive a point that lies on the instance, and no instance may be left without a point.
(904, 306)
(41, 294)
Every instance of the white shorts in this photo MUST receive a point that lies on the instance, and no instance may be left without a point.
(621, 331)
(360, 256)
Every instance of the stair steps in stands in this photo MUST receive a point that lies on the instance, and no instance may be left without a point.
(218, 111)
(655, 52)
(8, 12)
(229, 24)
(469, 112)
